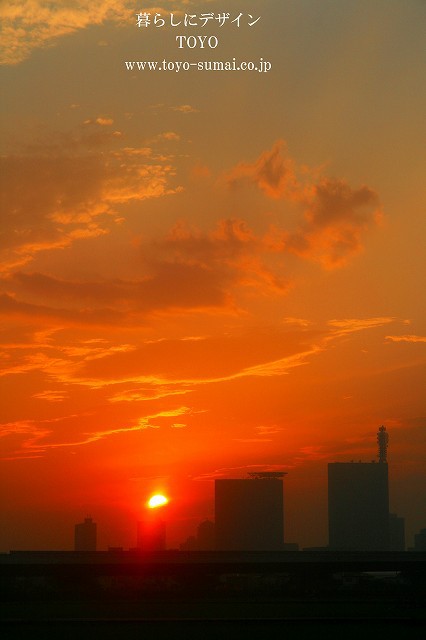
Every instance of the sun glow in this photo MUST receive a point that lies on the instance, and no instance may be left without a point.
(157, 501)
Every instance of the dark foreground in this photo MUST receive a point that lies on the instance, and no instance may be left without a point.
(207, 629)
(215, 596)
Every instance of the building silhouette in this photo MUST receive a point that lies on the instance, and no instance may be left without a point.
(396, 533)
(206, 536)
(358, 503)
(151, 534)
(85, 535)
(249, 513)
(204, 540)
(420, 540)
(190, 544)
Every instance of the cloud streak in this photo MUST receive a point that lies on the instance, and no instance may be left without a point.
(38, 436)
(406, 338)
(136, 386)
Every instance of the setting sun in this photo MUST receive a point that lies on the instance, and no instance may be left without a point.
(157, 501)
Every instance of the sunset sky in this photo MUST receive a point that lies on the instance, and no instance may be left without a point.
(205, 273)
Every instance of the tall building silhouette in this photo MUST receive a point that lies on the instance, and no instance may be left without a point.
(85, 535)
(249, 513)
(358, 503)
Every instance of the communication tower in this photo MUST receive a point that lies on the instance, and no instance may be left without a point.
(383, 443)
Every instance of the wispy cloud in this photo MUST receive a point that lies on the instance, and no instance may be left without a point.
(269, 430)
(51, 395)
(198, 363)
(185, 108)
(36, 437)
(242, 471)
(406, 338)
(101, 121)
(252, 440)
(349, 325)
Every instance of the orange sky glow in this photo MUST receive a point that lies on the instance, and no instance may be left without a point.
(204, 273)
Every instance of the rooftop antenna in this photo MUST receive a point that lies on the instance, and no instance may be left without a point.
(383, 441)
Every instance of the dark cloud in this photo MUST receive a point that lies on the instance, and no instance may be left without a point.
(336, 216)
(11, 307)
(336, 220)
(273, 172)
(169, 287)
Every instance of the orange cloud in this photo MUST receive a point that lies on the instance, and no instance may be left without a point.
(135, 385)
(269, 430)
(168, 287)
(169, 135)
(336, 215)
(336, 218)
(185, 108)
(34, 24)
(157, 369)
(141, 394)
(131, 151)
(406, 338)
(349, 325)
(35, 437)
(188, 363)
(272, 172)
(231, 253)
(11, 307)
(102, 121)
(49, 202)
(51, 395)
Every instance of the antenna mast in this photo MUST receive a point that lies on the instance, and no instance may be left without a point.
(383, 441)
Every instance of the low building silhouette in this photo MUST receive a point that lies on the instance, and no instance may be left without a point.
(206, 536)
(203, 541)
(151, 534)
(85, 535)
(420, 540)
(396, 533)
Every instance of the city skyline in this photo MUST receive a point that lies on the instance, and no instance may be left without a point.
(207, 273)
(249, 514)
